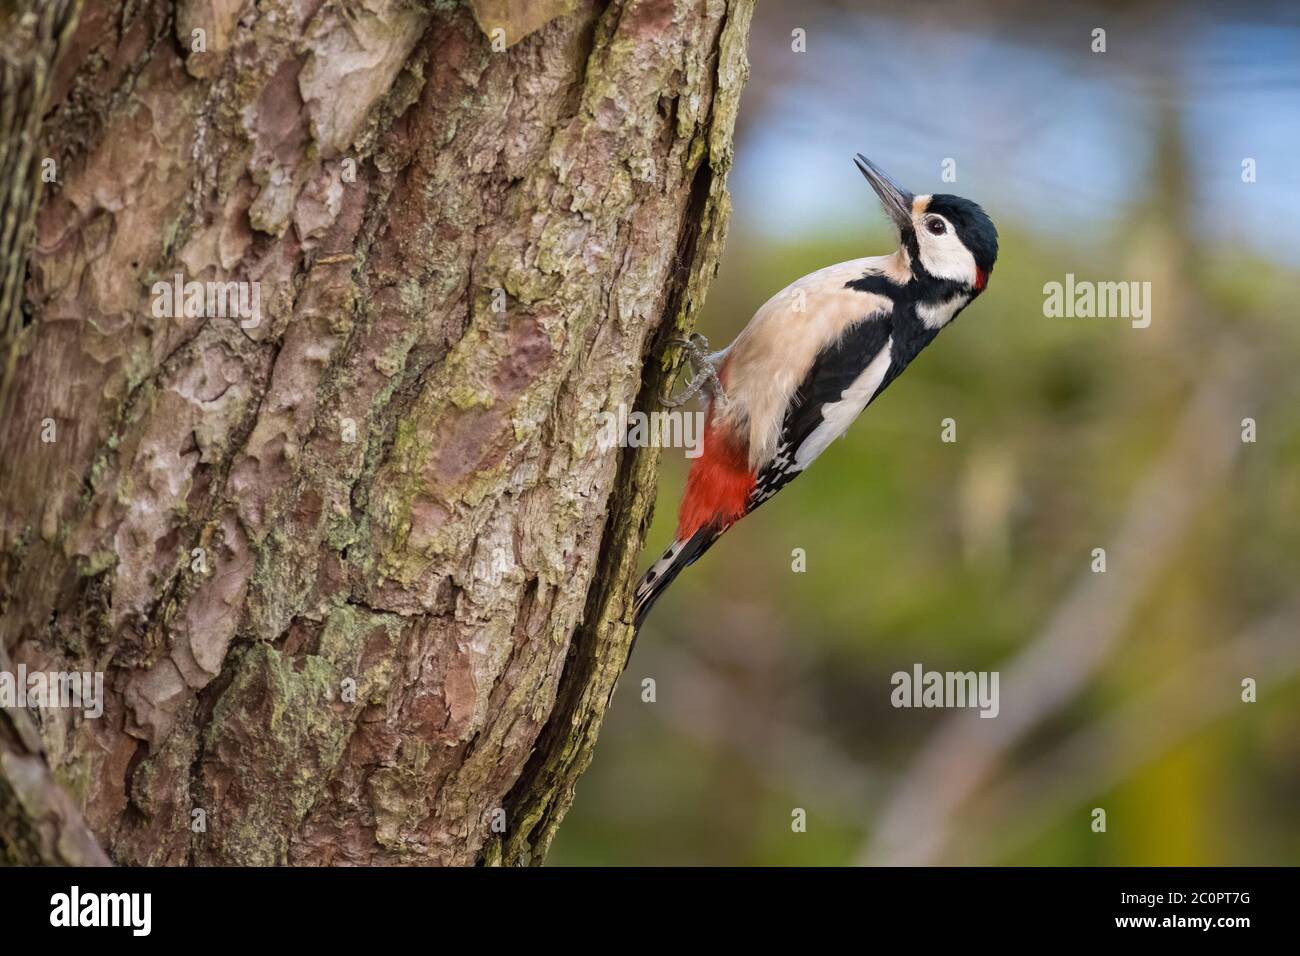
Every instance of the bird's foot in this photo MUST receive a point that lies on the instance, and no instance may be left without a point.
(704, 374)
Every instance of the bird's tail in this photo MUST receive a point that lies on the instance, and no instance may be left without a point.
(680, 555)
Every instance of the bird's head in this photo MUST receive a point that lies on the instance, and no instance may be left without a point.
(943, 236)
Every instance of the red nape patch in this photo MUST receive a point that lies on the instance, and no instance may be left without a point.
(981, 279)
(719, 484)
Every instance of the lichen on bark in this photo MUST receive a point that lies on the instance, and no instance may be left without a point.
(356, 573)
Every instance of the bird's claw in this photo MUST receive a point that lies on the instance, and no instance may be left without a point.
(704, 374)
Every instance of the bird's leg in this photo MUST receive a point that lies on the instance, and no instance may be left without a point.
(704, 374)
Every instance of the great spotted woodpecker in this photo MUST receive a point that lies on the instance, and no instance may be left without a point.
(815, 355)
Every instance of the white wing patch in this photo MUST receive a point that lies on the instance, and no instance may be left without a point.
(838, 416)
(772, 355)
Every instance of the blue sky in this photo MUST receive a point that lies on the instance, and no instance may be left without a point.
(1043, 130)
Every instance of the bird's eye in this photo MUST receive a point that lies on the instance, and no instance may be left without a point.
(935, 226)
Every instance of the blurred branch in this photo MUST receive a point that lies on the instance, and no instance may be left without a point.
(1100, 757)
(710, 710)
(32, 35)
(1050, 672)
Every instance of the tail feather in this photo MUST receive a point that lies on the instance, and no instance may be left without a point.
(718, 491)
(680, 555)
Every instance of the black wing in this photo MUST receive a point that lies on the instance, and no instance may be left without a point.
(835, 369)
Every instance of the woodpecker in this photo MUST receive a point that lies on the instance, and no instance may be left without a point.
(814, 356)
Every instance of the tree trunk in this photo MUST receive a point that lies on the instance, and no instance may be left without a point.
(352, 563)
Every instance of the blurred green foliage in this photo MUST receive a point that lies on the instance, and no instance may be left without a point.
(772, 687)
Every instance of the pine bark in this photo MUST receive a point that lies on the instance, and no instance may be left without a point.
(356, 573)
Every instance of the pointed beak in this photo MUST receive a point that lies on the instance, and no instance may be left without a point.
(896, 200)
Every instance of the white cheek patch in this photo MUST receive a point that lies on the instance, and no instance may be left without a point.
(944, 257)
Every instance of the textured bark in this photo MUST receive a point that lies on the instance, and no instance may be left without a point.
(30, 43)
(393, 479)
